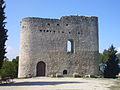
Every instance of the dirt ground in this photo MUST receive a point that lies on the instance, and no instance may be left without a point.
(46, 83)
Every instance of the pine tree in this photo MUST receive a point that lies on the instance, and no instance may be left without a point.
(112, 68)
(3, 32)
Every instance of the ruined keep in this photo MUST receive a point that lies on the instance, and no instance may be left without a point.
(67, 45)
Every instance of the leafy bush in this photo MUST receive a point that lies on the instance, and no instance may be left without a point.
(9, 68)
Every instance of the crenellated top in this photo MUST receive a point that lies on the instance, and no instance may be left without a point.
(78, 17)
(27, 19)
(72, 24)
(70, 18)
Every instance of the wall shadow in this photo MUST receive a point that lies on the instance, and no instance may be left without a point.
(37, 83)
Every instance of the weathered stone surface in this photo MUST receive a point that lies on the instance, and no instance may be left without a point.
(44, 39)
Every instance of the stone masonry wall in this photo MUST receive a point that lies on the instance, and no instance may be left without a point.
(44, 39)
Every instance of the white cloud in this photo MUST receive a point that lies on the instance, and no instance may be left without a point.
(11, 52)
(118, 49)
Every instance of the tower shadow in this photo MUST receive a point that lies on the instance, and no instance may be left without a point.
(38, 83)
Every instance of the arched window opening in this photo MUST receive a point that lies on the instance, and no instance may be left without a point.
(70, 48)
(64, 72)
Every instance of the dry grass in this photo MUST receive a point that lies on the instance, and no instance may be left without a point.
(116, 86)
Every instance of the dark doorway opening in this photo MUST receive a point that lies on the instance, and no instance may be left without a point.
(41, 68)
(64, 72)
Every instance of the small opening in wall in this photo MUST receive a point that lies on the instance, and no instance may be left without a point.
(69, 32)
(62, 31)
(40, 30)
(78, 32)
(50, 30)
(54, 31)
(48, 24)
(64, 72)
(70, 48)
(58, 24)
(47, 31)
(44, 30)
(66, 24)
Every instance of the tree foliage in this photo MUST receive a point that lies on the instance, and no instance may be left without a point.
(118, 55)
(112, 68)
(15, 63)
(7, 69)
(3, 32)
(10, 68)
(103, 56)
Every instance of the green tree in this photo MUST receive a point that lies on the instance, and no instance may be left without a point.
(112, 68)
(118, 55)
(3, 32)
(7, 69)
(10, 68)
(15, 63)
(103, 56)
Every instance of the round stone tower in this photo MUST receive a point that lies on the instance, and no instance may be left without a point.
(67, 45)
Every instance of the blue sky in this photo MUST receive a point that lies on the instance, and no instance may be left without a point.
(108, 12)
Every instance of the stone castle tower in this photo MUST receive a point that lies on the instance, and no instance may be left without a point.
(67, 45)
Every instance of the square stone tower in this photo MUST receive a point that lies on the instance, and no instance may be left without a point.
(67, 45)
